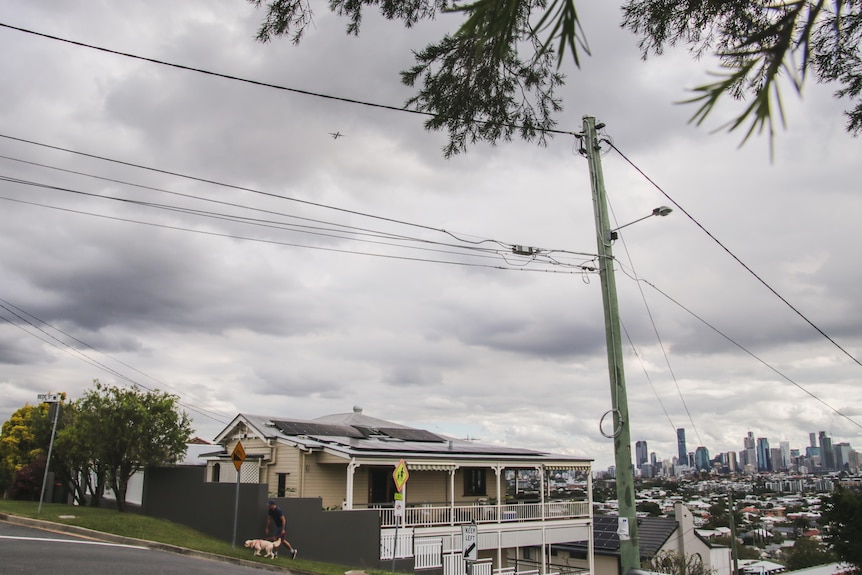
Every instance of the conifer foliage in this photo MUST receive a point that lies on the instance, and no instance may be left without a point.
(495, 77)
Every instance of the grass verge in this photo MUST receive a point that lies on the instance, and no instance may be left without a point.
(150, 529)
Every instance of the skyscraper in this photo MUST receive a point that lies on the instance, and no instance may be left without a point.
(785, 454)
(827, 456)
(641, 453)
(701, 459)
(750, 452)
(680, 446)
(764, 459)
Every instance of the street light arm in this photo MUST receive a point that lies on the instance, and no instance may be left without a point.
(659, 211)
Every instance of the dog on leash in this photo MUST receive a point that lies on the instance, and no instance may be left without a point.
(268, 547)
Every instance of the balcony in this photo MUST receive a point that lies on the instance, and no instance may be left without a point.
(431, 515)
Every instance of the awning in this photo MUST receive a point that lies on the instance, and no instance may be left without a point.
(430, 466)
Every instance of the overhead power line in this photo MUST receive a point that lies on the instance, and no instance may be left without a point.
(46, 336)
(737, 259)
(267, 84)
(750, 353)
(455, 235)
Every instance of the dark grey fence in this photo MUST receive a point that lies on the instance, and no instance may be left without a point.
(180, 494)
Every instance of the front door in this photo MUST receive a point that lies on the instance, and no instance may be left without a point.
(381, 488)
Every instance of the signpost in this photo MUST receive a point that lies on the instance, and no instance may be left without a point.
(400, 475)
(54, 400)
(470, 544)
(237, 456)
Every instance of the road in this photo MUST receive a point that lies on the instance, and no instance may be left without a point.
(34, 551)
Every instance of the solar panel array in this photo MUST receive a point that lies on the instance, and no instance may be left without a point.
(309, 428)
(390, 439)
(410, 434)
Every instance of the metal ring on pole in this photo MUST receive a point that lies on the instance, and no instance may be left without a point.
(617, 430)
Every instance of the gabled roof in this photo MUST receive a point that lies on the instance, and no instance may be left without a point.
(653, 533)
(356, 435)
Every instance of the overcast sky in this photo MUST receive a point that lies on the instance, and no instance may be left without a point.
(368, 270)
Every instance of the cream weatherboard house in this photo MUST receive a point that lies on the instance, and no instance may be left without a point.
(519, 499)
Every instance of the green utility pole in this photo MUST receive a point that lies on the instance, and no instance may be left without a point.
(628, 527)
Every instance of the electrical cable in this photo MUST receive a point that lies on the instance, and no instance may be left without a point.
(739, 261)
(454, 235)
(65, 347)
(293, 244)
(749, 353)
(358, 231)
(275, 86)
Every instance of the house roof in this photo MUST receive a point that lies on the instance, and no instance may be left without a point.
(760, 567)
(828, 569)
(359, 436)
(653, 533)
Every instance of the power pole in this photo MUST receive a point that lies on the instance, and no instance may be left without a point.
(730, 511)
(628, 527)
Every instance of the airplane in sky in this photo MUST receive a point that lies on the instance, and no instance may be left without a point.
(335, 135)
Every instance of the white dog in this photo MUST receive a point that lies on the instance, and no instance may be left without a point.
(268, 547)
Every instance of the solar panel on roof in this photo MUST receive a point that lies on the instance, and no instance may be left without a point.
(308, 428)
(409, 434)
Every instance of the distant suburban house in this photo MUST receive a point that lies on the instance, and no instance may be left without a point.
(655, 535)
(828, 569)
(424, 487)
(752, 567)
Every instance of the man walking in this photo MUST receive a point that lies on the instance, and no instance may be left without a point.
(279, 521)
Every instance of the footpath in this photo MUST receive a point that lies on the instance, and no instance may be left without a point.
(119, 539)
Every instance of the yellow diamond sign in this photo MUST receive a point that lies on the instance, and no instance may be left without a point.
(400, 475)
(238, 455)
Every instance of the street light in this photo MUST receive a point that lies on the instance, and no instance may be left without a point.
(52, 399)
(659, 211)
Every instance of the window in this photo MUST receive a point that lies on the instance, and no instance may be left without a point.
(216, 472)
(282, 484)
(474, 482)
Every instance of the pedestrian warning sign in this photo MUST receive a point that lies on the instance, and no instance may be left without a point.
(400, 475)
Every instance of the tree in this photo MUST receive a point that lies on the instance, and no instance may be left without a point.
(676, 563)
(650, 507)
(130, 429)
(805, 553)
(77, 466)
(27, 483)
(801, 524)
(841, 514)
(23, 438)
(496, 75)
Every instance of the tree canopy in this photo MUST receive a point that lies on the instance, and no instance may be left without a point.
(24, 437)
(130, 429)
(806, 553)
(496, 76)
(841, 513)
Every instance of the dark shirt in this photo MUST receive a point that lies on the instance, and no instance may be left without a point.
(277, 515)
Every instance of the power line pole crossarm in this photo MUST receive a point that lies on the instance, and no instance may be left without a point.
(628, 527)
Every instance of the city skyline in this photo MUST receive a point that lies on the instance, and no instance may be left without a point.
(820, 454)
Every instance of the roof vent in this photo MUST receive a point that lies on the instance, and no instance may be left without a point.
(357, 409)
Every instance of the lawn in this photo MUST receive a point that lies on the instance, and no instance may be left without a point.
(149, 529)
